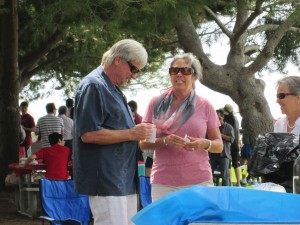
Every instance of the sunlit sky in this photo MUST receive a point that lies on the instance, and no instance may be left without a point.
(37, 107)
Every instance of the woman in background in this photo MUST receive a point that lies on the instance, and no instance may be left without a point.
(288, 97)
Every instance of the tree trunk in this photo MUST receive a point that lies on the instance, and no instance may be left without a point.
(9, 88)
(232, 79)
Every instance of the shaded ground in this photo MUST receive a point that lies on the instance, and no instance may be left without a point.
(8, 211)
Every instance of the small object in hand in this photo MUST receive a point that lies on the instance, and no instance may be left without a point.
(186, 139)
(153, 136)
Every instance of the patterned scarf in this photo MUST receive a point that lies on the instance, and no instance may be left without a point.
(167, 123)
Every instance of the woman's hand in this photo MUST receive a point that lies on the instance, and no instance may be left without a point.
(195, 144)
(175, 141)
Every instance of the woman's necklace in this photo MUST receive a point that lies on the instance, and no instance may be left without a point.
(291, 127)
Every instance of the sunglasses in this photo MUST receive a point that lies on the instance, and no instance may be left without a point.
(133, 68)
(282, 95)
(183, 70)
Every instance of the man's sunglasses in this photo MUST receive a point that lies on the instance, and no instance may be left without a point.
(183, 70)
(282, 95)
(133, 68)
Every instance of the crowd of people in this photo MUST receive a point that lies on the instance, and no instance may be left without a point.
(52, 132)
(104, 133)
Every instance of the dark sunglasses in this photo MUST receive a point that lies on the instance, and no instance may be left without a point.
(282, 95)
(133, 68)
(183, 70)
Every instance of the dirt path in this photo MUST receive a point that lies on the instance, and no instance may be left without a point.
(8, 211)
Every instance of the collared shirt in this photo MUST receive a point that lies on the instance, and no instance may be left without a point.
(103, 170)
(227, 130)
(68, 126)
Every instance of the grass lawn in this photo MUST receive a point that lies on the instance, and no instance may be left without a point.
(233, 177)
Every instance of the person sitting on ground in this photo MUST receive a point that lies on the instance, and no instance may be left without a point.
(56, 158)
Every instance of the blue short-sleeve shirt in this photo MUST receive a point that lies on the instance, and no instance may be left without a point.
(104, 170)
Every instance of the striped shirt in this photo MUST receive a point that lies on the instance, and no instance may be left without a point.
(47, 125)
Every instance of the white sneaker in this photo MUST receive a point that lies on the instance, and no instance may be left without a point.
(244, 182)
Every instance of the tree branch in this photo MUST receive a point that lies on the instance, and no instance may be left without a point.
(189, 39)
(269, 27)
(28, 61)
(216, 19)
(267, 52)
(244, 26)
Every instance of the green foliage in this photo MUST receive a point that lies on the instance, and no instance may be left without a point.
(288, 47)
(92, 26)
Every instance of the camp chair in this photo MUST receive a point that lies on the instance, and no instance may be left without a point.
(61, 205)
(145, 191)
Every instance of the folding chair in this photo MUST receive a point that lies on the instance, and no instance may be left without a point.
(145, 191)
(61, 205)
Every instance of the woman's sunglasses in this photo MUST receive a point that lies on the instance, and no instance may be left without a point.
(282, 95)
(133, 68)
(183, 70)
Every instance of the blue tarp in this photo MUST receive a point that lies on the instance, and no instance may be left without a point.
(221, 205)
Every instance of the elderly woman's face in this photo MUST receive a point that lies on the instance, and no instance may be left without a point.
(288, 103)
(180, 78)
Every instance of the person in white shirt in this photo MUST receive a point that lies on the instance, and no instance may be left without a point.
(288, 97)
(68, 126)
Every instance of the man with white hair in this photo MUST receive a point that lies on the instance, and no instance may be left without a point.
(106, 138)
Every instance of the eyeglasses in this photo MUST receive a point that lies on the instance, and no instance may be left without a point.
(282, 95)
(133, 68)
(183, 70)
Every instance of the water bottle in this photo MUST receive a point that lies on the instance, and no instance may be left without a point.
(296, 176)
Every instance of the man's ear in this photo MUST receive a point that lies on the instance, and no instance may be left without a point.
(118, 60)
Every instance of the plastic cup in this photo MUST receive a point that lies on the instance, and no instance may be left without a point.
(152, 138)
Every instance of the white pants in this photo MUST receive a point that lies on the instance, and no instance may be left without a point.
(158, 190)
(113, 210)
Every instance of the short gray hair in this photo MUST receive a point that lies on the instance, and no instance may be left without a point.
(62, 110)
(192, 60)
(293, 83)
(129, 50)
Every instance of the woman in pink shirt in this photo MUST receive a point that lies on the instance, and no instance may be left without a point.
(183, 121)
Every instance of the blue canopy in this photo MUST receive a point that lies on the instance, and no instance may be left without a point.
(221, 205)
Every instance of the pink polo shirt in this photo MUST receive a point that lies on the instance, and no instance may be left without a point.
(176, 166)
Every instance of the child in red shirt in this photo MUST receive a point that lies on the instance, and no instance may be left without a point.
(56, 158)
